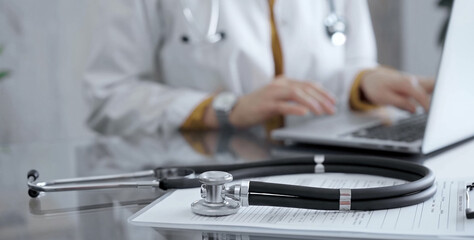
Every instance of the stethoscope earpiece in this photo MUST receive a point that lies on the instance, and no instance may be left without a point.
(32, 176)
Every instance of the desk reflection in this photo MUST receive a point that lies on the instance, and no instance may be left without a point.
(100, 211)
(111, 155)
(194, 235)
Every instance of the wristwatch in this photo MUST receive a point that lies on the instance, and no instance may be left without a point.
(223, 104)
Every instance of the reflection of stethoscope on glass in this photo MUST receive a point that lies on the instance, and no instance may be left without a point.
(335, 25)
(219, 200)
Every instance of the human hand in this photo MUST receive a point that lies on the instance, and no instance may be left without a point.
(281, 97)
(383, 86)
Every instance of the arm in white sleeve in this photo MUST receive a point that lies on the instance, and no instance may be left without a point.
(120, 78)
(360, 48)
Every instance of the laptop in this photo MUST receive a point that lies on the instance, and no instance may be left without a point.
(449, 120)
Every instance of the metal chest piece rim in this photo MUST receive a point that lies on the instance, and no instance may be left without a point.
(213, 202)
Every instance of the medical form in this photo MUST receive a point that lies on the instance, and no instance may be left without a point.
(442, 215)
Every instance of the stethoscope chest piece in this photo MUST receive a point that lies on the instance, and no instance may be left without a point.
(336, 29)
(214, 201)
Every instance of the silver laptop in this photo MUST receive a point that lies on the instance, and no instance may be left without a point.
(450, 119)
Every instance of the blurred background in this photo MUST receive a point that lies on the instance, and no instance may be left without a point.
(45, 46)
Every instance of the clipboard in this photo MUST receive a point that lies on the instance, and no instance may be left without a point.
(469, 210)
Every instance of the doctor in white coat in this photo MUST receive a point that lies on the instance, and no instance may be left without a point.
(152, 68)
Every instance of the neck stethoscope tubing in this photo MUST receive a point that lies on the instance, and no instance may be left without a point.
(334, 24)
(211, 35)
(332, 6)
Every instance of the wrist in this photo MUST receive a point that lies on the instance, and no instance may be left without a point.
(210, 118)
(223, 106)
(363, 96)
(234, 116)
(358, 99)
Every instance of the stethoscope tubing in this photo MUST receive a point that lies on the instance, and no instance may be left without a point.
(357, 194)
(380, 162)
(333, 24)
(332, 163)
(420, 186)
(256, 172)
(318, 204)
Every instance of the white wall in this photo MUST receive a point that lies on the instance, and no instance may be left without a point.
(387, 27)
(407, 33)
(421, 23)
(46, 43)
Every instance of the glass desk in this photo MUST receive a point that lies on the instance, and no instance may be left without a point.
(103, 214)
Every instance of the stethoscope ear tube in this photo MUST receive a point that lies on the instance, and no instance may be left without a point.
(90, 183)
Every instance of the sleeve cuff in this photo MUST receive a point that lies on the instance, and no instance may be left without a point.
(355, 100)
(195, 120)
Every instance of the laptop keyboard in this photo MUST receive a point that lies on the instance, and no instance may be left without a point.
(406, 130)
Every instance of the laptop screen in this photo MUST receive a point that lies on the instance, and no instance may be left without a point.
(451, 116)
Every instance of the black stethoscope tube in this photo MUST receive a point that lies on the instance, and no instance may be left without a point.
(419, 188)
(317, 204)
(300, 169)
(334, 194)
(421, 179)
(386, 163)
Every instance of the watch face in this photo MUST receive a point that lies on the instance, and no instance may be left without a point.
(224, 102)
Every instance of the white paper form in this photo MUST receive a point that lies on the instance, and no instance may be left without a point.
(442, 216)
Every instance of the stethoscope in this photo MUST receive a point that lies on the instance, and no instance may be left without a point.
(334, 24)
(220, 200)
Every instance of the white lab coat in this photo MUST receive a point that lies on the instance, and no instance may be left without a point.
(142, 77)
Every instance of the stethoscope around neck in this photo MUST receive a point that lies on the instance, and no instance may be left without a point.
(334, 24)
(219, 199)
